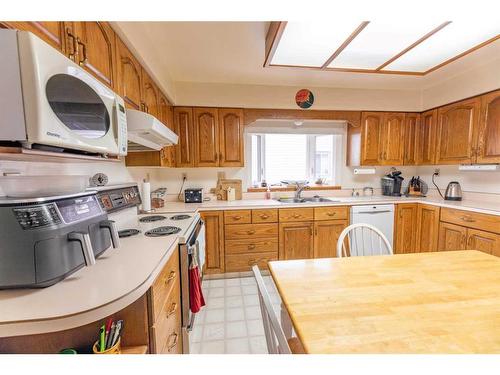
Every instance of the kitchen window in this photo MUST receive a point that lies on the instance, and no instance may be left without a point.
(278, 157)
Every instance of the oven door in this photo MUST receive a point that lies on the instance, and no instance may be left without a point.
(65, 106)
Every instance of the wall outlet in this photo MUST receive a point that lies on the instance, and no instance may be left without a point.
(184, 176)
(437, 171)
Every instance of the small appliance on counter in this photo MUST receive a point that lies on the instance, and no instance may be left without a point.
(46, 239)
(391, 183)
(193, 195)
(453, 192)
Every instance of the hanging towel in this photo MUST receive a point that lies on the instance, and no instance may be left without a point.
(196, 300)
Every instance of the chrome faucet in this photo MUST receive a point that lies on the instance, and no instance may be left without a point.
(300, 188)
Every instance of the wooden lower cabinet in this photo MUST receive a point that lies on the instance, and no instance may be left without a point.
(326, 235)
(427, 237)
(483, 241)
(452, 237)
(214, 241)
(406, 228)
(296, 240)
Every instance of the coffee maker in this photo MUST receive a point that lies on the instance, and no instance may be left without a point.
(391, 184)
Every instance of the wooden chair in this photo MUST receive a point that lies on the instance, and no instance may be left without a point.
(363, 239)
(277, 343)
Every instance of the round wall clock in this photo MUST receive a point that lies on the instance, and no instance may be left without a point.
(304, 98)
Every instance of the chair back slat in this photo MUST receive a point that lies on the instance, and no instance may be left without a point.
(360, 239)
(275, 337)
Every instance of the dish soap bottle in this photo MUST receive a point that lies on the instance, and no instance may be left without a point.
(268, 193)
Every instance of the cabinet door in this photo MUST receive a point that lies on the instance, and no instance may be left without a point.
(392, 139)
(371, 127)
(96, 50)
(167, 154)
(214, 241)
(184, 151)
(426, 138)
(489, 129)
(129, 80)
(296, 240)
(456, 129)
(52, 32)
(406, 225)
(411, 128)
(206, 134)
(231, 138)
(326, 236)
(427, 228)
(452, 237)
(483, 241)
(150, 95)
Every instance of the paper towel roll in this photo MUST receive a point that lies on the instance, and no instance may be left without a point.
(146, 196)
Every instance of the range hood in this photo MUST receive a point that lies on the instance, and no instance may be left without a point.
(147, 133)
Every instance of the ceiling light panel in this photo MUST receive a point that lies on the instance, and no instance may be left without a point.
(379, 42)
(311, 43)
(447, 43)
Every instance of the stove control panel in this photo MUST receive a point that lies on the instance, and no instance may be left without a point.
(39, 216)
(115, 199)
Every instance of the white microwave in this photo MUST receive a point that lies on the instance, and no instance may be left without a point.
(48, 101)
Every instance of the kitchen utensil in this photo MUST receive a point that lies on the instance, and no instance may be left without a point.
(368, 191)
(453, 192)
(42, 186)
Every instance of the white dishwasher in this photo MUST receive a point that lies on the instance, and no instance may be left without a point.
(380, 216)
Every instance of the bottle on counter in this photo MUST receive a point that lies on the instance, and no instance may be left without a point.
(268, 193)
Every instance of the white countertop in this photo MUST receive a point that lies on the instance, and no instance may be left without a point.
(120, 276)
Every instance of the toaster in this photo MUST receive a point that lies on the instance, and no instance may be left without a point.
(193, 195)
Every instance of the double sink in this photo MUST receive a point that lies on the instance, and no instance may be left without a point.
(315, 199)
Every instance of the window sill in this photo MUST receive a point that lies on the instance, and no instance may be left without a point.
(286, 188)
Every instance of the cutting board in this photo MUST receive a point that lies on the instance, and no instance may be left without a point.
(224, 184)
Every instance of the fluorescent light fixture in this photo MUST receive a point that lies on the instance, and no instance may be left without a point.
(447, 43)
(311, 43)
(379, 42)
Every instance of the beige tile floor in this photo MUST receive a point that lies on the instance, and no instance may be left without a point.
(231, 322)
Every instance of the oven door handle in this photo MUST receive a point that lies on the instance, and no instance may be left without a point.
(113, 232)
(87, 250)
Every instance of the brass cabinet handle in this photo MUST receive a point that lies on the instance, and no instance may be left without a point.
(170, 277)
(74, 44)
(84, 59)
(331, 213)
(251, 247)
(173, 307)
(468, 219)
(250, 232)
(237, 217)
(174, 343)
(252, 262)
(295, 216)
(264, 216)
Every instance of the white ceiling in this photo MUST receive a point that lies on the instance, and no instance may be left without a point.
(233, 52)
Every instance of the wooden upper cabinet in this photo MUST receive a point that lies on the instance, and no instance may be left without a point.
(167, 154)
(183, 120)
(426, 138)
(129, 79)
(392, 138)
(457, 125)
(231, 138)
(371, 126)
(205, 121)
(427, 228)
(488, 144)
(150, 95)
(326, 235)
(411, 129)
(406, 220)
(52, 32)
(296, 240)
(452, 237)
(95, 44)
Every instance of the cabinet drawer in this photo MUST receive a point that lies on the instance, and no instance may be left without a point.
(490, 223)
(265, 216)
(164, 283)
(237, 217)
(296, 214)
(244, 262)
(236, 232)
(168, 320)
(331, 213)
(251, 246)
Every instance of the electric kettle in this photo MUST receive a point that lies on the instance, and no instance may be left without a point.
(453, 192)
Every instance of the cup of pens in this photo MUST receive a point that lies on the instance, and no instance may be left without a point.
(109, 338)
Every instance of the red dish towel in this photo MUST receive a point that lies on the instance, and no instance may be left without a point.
(196, 300)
